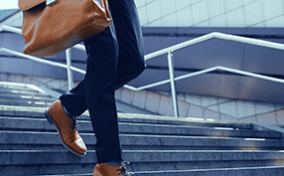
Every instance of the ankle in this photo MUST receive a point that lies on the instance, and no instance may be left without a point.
(113, 163)
(67, 112)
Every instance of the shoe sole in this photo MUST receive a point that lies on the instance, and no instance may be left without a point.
(52, 122)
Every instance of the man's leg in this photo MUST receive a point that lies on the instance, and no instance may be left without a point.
(102, 51)
(130, 41)
(105, 74)
(131, 54)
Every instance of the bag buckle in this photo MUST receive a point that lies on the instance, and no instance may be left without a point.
(50, 2)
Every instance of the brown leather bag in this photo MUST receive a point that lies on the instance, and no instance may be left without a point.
(51, 26)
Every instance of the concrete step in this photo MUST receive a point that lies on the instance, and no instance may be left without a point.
(242, 171)
(23, 93)
(56, 162)
(40, 124)
(15, 97)
(20, 91)
(26, 102)
(37, 112)
(7, 91)
(137, 118)
(14, 85)
(12, 140)
(155, 145)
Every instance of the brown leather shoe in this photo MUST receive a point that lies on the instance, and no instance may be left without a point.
(103, 169)
(66, 127)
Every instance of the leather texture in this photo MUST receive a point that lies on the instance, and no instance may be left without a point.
(65, 126)
(106, 170)
(51, 29)
(28, 4)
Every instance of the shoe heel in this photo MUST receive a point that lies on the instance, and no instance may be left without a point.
(49, 119)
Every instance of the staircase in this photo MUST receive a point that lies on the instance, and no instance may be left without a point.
(155, 145)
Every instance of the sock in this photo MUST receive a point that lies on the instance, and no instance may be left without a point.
(113, 163)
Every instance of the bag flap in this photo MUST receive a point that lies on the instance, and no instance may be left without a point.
(28, 4)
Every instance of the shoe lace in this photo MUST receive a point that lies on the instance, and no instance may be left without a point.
(74, 123)
(123, 170)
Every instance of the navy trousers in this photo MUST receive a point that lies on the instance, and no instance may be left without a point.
(114, 57)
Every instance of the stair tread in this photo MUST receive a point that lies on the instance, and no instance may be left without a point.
(261, 171)
(26, 157)
(44, 138)
(26, 111)
(164, 146)
(39, 124)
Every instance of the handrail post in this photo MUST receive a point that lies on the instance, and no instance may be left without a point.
(69, 71)
(172, 79)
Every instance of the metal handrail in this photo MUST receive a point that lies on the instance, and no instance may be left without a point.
(40, 60)
(169, 51)
(215, 35)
